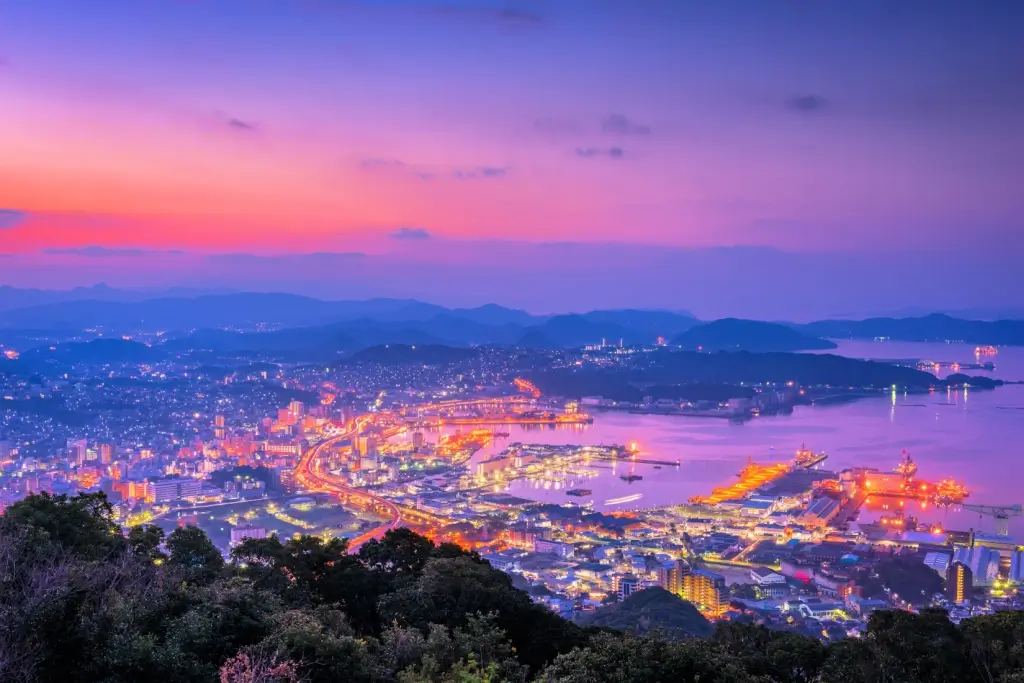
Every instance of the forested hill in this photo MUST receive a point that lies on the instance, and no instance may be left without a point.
(653, 610)
(80, 603)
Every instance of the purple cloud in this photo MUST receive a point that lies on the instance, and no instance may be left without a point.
(375, 164)
(411, 234)
(618, 124)
(591, 152)
(96, 251)
(240, 125)
(480, 173)
(807, 104)
(11, 218)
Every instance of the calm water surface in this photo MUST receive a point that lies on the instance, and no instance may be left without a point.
(976, 437)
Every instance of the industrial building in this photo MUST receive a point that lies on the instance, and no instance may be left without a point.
(982, 561)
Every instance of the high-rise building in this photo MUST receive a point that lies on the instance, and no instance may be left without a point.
(959, 582)
(78, 451)
(670, 575)
(6, 450)
(706, 590)
(367, 446)
(167, 490)
(218, 427)
(417, 440)
(626, 586)
(108, 453)
(297, 409)
(519, 537)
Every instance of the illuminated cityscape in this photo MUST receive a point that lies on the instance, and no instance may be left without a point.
(290, 450)
(511, 341)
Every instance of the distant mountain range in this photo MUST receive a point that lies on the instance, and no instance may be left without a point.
(452, 328)
(13, 297)
(288, 325)
(246, 311)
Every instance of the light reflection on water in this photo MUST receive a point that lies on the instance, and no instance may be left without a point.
(976, 437)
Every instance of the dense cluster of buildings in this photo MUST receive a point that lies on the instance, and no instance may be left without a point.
(781, 546)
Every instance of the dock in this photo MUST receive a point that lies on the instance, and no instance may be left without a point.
(640, 461)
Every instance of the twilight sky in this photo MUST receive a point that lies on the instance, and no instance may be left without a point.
(754, 158)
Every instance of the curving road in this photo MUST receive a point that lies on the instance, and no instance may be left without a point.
(311, 474)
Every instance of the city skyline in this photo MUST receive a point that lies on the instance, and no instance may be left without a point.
(559, 156)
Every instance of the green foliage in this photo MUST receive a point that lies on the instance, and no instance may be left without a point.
(323, 645)
(468, 671)
(448, 590)
(615, 659)
(401, 550)
(81, 525)
(479, 649)
(145, 541)
(191, 549)
(778, 655)
(995, 645)
(309, 571)
(80, 603)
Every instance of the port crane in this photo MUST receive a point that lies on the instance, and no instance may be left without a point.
(1000, 513)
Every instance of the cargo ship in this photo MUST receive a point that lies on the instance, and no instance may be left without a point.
(907, 466)
(807, 459)
(630, 477)
(986, 351)
(579, 493)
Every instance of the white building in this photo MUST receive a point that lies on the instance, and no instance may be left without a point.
(762, 576)
(938, 561)
(168, 490)
(1016, 568)
(983, 563)
(241, 533)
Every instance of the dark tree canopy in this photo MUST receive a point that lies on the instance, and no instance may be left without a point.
(190, 548)
(81, 525)
(907, 578)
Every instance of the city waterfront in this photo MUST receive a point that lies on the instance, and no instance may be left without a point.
(958, 435)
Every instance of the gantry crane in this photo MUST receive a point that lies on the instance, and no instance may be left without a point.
(1000, 513)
